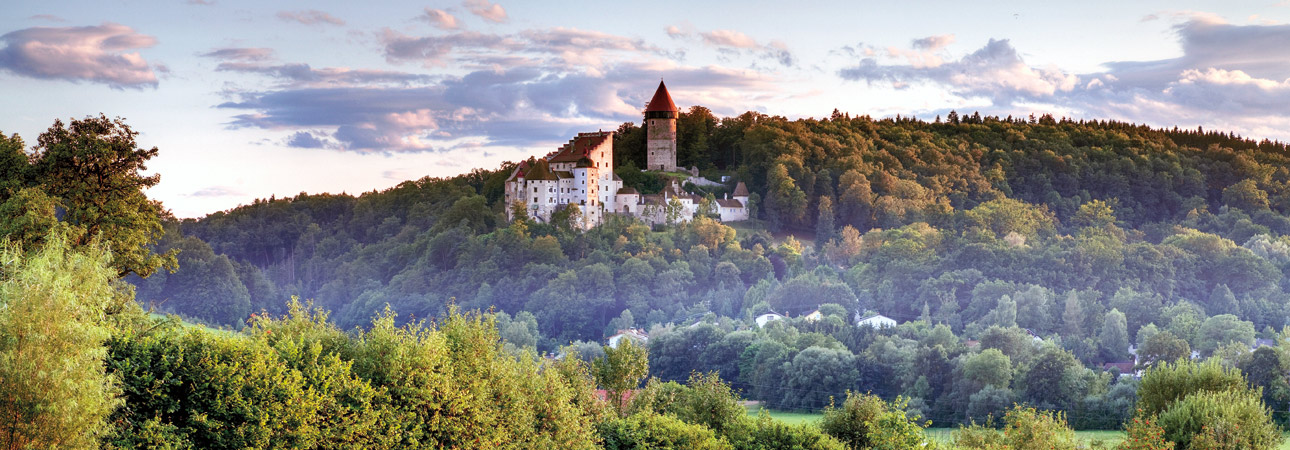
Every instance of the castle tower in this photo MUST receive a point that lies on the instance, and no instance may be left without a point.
(660, 123)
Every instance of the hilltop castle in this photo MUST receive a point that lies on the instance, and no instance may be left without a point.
(580, 174)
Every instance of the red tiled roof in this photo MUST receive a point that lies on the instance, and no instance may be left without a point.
(730, 203)
(661, 101)
(581, 147)
(741, 190)
(603, 395)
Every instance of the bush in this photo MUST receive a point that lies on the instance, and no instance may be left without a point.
(1169, 382)
(703, 400)
(867, 422)
(1232, 419)
(1025, 429)
(651, 431)
(1145, 433)
(769, 434)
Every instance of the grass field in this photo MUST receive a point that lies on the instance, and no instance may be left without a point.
(785, 416)
(1108, 438)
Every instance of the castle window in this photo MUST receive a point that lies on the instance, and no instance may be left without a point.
(534, 189)
(534, 199)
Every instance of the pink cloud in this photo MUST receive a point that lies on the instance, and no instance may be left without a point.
(441, 19)
(489, 11)
(98, 54)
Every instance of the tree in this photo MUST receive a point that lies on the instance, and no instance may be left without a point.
(620, 371)
(15, 169)
(824, 229)
(94, 167)
(855, 200)
(1168, 382)
(1223, 301)
(1229, 419)
(54, 392)
(785, 202)
(1246, 195)
(1162, 347)
(1072, 317)
(990, 367)
(1095, 214)
(27, 217)
(1114, 339)
(1269, 369)
(1221, 329)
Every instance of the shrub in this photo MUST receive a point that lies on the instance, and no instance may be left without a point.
(867, 422)
(1169, 382)
(1232, 419)
(1145, 433)
(649, 431)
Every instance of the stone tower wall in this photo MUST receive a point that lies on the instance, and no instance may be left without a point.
(661, 144)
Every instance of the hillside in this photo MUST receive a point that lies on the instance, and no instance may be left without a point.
(1090, 235)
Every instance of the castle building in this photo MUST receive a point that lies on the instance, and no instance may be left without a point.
(580, 174)
(660, 123)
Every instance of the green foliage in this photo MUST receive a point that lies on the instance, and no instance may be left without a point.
(621, 370)
(703, 400)
(299, 382)
(1168, 382)
(867, 422)
(1224, 328)
(769, 434)
(54, 392)
(1229, 419)
(27, 217)
(1025, 428)
(95, 169)
(1145, 433)
(650, 431)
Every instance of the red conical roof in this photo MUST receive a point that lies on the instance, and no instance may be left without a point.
(662, 101)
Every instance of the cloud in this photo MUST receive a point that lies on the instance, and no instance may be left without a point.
(933, 43)
(310, 17)
(305, 139)
(1231, 76)
(561, 48)
(201, 2)
(440, 19)
(432, 50)
(491, 12)
(217, 191)
(240, 54)
(299, 74)
(48, 17)
(518, 107)
(731, 43)
(98, 54)
(728, 38)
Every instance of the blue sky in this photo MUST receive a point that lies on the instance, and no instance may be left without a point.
(248, 99)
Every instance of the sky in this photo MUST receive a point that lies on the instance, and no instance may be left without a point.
(248, 99)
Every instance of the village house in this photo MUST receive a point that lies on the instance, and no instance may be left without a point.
(638, 337)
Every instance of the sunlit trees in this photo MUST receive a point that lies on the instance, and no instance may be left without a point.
(54, 392)
(96, 170)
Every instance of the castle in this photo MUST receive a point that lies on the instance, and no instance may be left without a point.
(580, 174)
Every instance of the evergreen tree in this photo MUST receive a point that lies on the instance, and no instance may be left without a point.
(1114, 339)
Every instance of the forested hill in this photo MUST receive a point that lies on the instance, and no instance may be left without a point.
(945, 218)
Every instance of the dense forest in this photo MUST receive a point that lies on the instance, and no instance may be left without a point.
(977, 233)
(1019, 256)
